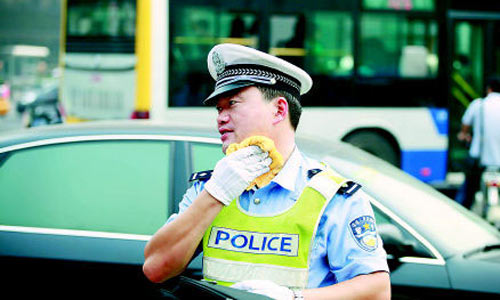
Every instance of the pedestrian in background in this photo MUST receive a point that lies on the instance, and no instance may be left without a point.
(480, 128)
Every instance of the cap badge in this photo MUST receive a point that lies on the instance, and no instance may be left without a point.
(219, 64)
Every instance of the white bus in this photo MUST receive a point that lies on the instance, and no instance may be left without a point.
(375, 66)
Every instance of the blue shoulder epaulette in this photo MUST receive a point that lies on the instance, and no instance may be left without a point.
(313, 172)
(347, 189)
(203, 175)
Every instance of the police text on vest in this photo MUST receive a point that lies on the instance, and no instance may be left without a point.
(254, 242)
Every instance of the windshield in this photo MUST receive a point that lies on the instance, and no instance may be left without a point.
(446, 224)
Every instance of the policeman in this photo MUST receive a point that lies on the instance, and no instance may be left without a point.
(307, 234)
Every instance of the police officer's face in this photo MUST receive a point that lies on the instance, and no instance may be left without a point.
(242, 115)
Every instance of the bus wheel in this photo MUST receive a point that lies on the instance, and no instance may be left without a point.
(376, 144)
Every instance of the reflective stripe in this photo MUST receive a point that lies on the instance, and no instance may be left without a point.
(235, 271)
(325, 184)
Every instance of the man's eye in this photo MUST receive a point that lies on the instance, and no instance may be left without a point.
(219, 109)
(232, 102)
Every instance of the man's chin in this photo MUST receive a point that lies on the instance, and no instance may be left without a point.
(226, 143)
(224, 147)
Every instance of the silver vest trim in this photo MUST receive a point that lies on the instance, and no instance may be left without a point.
(236, 271)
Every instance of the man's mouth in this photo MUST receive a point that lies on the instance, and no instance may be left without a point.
(224, 134)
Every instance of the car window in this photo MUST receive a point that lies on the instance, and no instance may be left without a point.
(397, 240)
(205, 156)
(110, 186)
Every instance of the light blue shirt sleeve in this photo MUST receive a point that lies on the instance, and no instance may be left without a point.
(186, 201)
(188, 198)
(337, 255)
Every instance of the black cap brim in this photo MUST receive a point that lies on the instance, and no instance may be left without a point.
(212, 99)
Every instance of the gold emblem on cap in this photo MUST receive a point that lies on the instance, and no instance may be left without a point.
(219, 64)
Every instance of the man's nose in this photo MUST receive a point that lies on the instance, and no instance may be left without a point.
(223, 117)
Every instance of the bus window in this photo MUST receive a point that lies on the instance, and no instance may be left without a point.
(331, 43)
(100, 25)
(195, 30)
(193, 33)
(468, 59)
(320, 41)
(287, 38)
(393, 45)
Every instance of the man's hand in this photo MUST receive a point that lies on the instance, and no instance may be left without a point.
(464, 134)
(464, 137)
(235, 172)
(266, 288)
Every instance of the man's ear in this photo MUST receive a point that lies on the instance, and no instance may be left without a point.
(280, 110)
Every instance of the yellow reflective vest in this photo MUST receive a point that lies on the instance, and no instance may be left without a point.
(239, 246)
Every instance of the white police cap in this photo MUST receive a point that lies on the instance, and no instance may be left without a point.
(234, 66)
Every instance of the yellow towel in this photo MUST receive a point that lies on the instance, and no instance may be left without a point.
(267, 145)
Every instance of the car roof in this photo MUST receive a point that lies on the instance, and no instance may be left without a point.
(118, 127)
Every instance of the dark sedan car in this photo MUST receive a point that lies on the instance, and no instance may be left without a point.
(79, 202)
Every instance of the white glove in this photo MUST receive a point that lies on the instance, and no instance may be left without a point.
(235, 172)
(266, 288)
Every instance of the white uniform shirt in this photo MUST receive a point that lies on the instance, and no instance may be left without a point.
(490, 154)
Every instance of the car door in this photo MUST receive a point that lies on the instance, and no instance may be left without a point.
(417, 269)
(75, 213)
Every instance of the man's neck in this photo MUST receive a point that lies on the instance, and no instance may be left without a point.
(285, 144)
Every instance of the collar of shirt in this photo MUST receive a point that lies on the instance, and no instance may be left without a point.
(293, 176)
(283, 190)
(287, 177)
(493, 95)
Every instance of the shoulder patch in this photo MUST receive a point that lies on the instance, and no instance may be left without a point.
(364, 232)
(203, 176)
